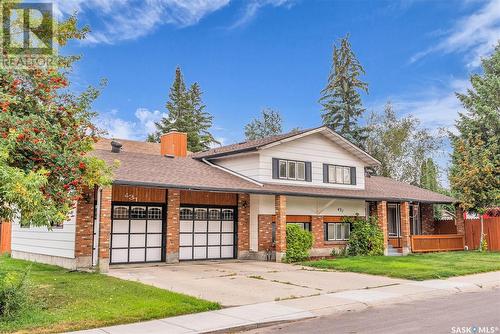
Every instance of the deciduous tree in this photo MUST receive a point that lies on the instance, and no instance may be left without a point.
(270, 123)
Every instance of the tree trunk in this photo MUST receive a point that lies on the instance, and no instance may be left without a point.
(481, 237)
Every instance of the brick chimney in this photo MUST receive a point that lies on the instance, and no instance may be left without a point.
(174, 144)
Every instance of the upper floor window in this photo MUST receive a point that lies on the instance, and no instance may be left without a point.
(291, 170)
(339, 174)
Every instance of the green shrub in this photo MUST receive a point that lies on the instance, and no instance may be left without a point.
(483, 247)
(15, 293)
(366, 237)
(298, 243)
(339, 252)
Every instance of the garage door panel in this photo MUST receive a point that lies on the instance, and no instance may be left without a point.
(200, 239)
(137, 226)
(154, 240)
(185, 253)
(214, 239)
(120, 240)
(227, 251)
(154, 226)
(213, 252)
(186, 226)
(186, 240)
(227, 226)
(137, 255)
(137, 240)
(153, 254)
(227, 239)
(119, 255)
(200, 226)
(200, 253)
(120, 226)
(214, 226)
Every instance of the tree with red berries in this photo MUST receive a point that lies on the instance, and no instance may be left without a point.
(46, 133)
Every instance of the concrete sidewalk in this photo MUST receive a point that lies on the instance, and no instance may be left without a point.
(252, 316)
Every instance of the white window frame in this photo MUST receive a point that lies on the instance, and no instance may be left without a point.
(288, 163)
(345, 227)
(332, 174)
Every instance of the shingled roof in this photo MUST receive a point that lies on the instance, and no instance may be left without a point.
(142, 165)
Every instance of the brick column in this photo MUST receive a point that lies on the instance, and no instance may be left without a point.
(280, 207)
(318, 232)
(459, 220)
(405, 227)
(382, 222)
(173, 225)
(427, 216)
(84, 233)
(105, 229)
(243, 226)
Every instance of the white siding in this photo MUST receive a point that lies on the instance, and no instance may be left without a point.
(58, 242)
(318, 150)
(245, 164)
(311, 206)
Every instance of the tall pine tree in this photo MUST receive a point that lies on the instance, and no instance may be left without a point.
(341, 99)
(429, 175)
(475, 161)
(186, 113)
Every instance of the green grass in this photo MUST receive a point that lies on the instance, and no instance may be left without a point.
(67, 300)
(416, 266)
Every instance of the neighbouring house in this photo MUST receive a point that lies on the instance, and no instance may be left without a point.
(167, 205)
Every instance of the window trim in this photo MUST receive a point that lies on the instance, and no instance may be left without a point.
(329, 176)
(287, 164)
(326, 228)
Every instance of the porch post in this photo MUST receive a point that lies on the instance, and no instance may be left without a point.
(382, 222)
(243, 226)
(173, 225)
(280, 207)
(405, 227)
(105, 229)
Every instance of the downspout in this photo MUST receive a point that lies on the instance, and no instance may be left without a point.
(95, 235)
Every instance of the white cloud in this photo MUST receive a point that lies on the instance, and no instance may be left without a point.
(119, 20)
(475, 35)
(137, 129)
(130, 19)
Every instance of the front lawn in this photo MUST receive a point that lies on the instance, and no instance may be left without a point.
(67, 300)
(416, 266)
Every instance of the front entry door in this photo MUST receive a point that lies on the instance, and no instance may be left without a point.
(393, 220)
(207, 233)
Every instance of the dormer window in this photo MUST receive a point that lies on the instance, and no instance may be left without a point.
(291, 170)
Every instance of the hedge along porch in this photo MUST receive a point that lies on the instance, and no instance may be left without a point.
(133, 224)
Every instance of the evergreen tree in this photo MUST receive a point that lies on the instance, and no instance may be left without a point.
(429, 175)
(341, 99)
(269, 124)
(186, 113)
(475, 161)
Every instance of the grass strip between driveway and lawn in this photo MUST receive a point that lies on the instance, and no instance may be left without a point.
(415, 266)
(65, 300)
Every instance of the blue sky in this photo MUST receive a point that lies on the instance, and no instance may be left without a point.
(252, 54)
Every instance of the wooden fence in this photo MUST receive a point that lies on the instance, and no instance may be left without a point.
(491, 230)
(437, 243)
(5, 237)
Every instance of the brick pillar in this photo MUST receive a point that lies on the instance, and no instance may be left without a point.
(427, 216)
(84, 233)
(173, 225)
(280, 207)
(318, 232)
(243, 226)
(405, 227)
(459, 220)
(382, 222)
(105, 229)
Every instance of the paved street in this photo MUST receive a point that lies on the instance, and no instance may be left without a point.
(437, 315)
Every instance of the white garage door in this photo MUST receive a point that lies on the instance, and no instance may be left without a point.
(207, 233)
(137, 233)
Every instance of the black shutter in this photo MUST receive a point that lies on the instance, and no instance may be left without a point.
(308, 172)
(325, 229)
(353, 175)
(325, 173)
(276, 167)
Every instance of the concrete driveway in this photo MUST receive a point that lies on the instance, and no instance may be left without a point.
(234, 283)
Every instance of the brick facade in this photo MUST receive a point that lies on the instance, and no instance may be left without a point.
(317, 228)
(243, 225)
(173, 225)
(105, 228)
(382, 221)
(405, 227)
(280, 207)
(265, 237)
(427, 216)
(84, 228)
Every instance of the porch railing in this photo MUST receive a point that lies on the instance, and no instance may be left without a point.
(437, 243)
